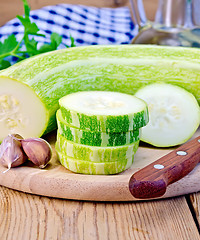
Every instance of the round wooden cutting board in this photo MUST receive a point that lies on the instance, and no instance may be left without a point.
(56, 181)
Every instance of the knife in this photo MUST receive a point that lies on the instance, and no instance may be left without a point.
(152, 180)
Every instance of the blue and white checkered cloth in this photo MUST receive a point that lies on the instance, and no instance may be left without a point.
(87, 25)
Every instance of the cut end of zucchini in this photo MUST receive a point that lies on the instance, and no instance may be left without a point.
(104, 111)
(174, 114)
(21, 110)
(100, 103)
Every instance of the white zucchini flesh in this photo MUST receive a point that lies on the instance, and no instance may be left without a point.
(174, 114)
(21, 110)
(104, 111)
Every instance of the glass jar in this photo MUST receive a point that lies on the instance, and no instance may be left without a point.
(177, 23)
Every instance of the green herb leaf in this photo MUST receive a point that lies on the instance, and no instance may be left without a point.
(45, 48)
(26, 9)
(31, 46)
(72, 41)
(56, 40)
(22, 57)
(8, 45)
(29, 27)
(11, 47)
(4, 64)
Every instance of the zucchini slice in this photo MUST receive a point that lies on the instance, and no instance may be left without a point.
(104, 111)
(95, 154)
(174, 114)
(85, 167)
(91, 138)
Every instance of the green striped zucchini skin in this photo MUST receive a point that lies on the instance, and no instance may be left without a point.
(85, 167)
(99, 139)
(122, 68)
(123, 123)
(117, 112)
(95, 154)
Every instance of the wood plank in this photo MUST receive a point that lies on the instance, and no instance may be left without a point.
(195, 205)
(10, 8)
(27, 216)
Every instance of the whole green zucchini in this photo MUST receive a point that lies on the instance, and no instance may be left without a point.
(30, 90)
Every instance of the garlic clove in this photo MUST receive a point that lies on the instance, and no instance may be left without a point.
(17, 136)
(38, 151)
(11, 152)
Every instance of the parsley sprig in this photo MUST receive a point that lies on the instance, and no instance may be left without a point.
(11, 47)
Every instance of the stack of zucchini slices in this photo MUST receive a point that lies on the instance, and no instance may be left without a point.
(99, 132)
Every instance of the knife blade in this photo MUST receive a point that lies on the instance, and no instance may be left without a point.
(152, 180)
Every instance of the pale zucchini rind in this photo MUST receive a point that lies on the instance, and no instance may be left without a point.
(99, 139)
(85, 167)
(95, 154)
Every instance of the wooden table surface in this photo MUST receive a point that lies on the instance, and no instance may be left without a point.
(31, 217)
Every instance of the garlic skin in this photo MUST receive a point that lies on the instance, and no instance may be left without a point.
(38, 151)
(11, 152)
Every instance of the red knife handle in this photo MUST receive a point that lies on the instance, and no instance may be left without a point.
(152, 180)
